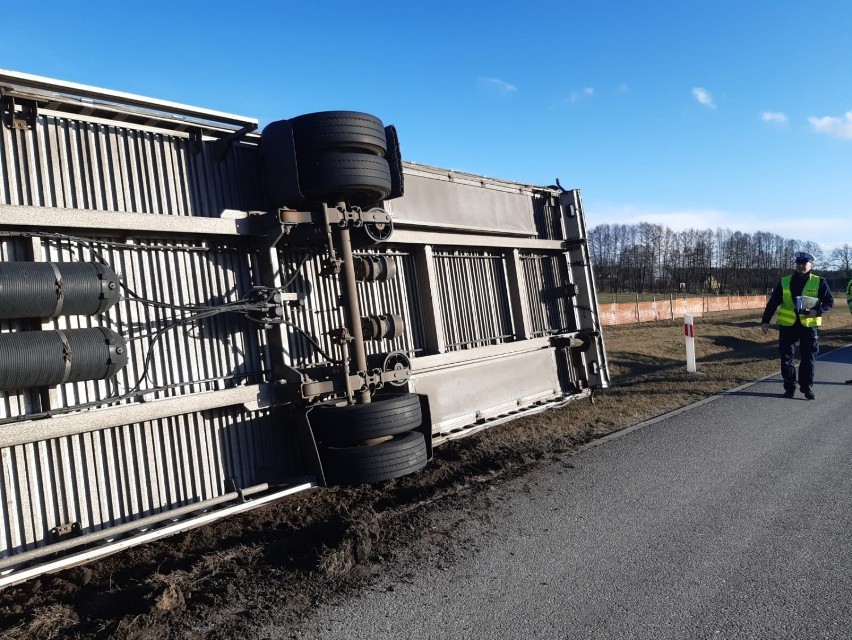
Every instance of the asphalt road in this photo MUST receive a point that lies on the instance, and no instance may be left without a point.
(730, 519)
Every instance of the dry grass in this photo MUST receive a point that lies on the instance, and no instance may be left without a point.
(46, 623)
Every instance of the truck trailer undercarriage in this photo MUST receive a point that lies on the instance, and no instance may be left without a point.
(198, 318)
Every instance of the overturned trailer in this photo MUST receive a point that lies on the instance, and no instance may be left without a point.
(197, 318)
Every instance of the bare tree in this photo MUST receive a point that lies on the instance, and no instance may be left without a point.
(650, 257)
(841, 259)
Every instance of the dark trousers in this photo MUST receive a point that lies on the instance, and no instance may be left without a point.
(808, 351)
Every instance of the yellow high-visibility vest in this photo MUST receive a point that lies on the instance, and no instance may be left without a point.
(849, 295)
(787, 310)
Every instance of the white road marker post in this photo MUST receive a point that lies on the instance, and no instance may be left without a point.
(689, 332)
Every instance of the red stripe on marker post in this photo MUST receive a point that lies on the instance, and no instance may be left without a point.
(689, 332)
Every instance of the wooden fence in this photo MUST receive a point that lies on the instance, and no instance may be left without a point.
(673, 307)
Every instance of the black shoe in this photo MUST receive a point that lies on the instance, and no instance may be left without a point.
(789, 394)
(809, 394)
(849, 382)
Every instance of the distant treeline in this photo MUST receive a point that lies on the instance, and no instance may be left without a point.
(648, 257)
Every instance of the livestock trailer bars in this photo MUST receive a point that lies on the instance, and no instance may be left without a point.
(197, 318)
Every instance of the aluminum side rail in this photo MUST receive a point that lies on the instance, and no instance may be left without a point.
(86, 99)
(16, 570)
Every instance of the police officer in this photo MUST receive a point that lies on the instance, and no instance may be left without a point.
(802, 297)
(849, 302)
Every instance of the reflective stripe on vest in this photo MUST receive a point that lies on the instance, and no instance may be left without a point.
(787, 310)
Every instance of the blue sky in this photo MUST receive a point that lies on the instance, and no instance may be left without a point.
(685, 113)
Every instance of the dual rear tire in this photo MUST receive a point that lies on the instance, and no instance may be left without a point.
(357, 178)
(342, 157)
(364, 464)
(351, 131)
(365, 443)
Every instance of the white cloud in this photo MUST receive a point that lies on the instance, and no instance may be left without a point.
(585, 92)
(773, 116)
(501, 86)
(704, 97)
(838, 127)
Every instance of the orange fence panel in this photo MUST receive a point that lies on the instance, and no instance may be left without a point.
(647, 311)
(670, 308)
(617, 313)
(747, 302)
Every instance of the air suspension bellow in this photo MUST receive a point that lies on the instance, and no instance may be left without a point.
(387, 326)
(374, 268)
(47, 358)
(53, 289)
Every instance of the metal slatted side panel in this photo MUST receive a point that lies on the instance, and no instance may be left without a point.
(317, 312)
(9, 172)
(239, 173)
(216, 180)
(474, 298)
(82, 164)
(547, 218)
(105, 478)
(398, 296)
(549, 308)
(166, 356)
(206, 354)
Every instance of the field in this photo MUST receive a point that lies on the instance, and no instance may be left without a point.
(274, 565)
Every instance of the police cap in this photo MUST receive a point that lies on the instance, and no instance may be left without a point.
(804, 256)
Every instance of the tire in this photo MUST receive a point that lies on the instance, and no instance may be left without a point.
(394, 158)
(403, 455)
(349, 424)
(356, 178)
(317, 133)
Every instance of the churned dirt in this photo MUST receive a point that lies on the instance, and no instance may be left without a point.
(271, 567)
